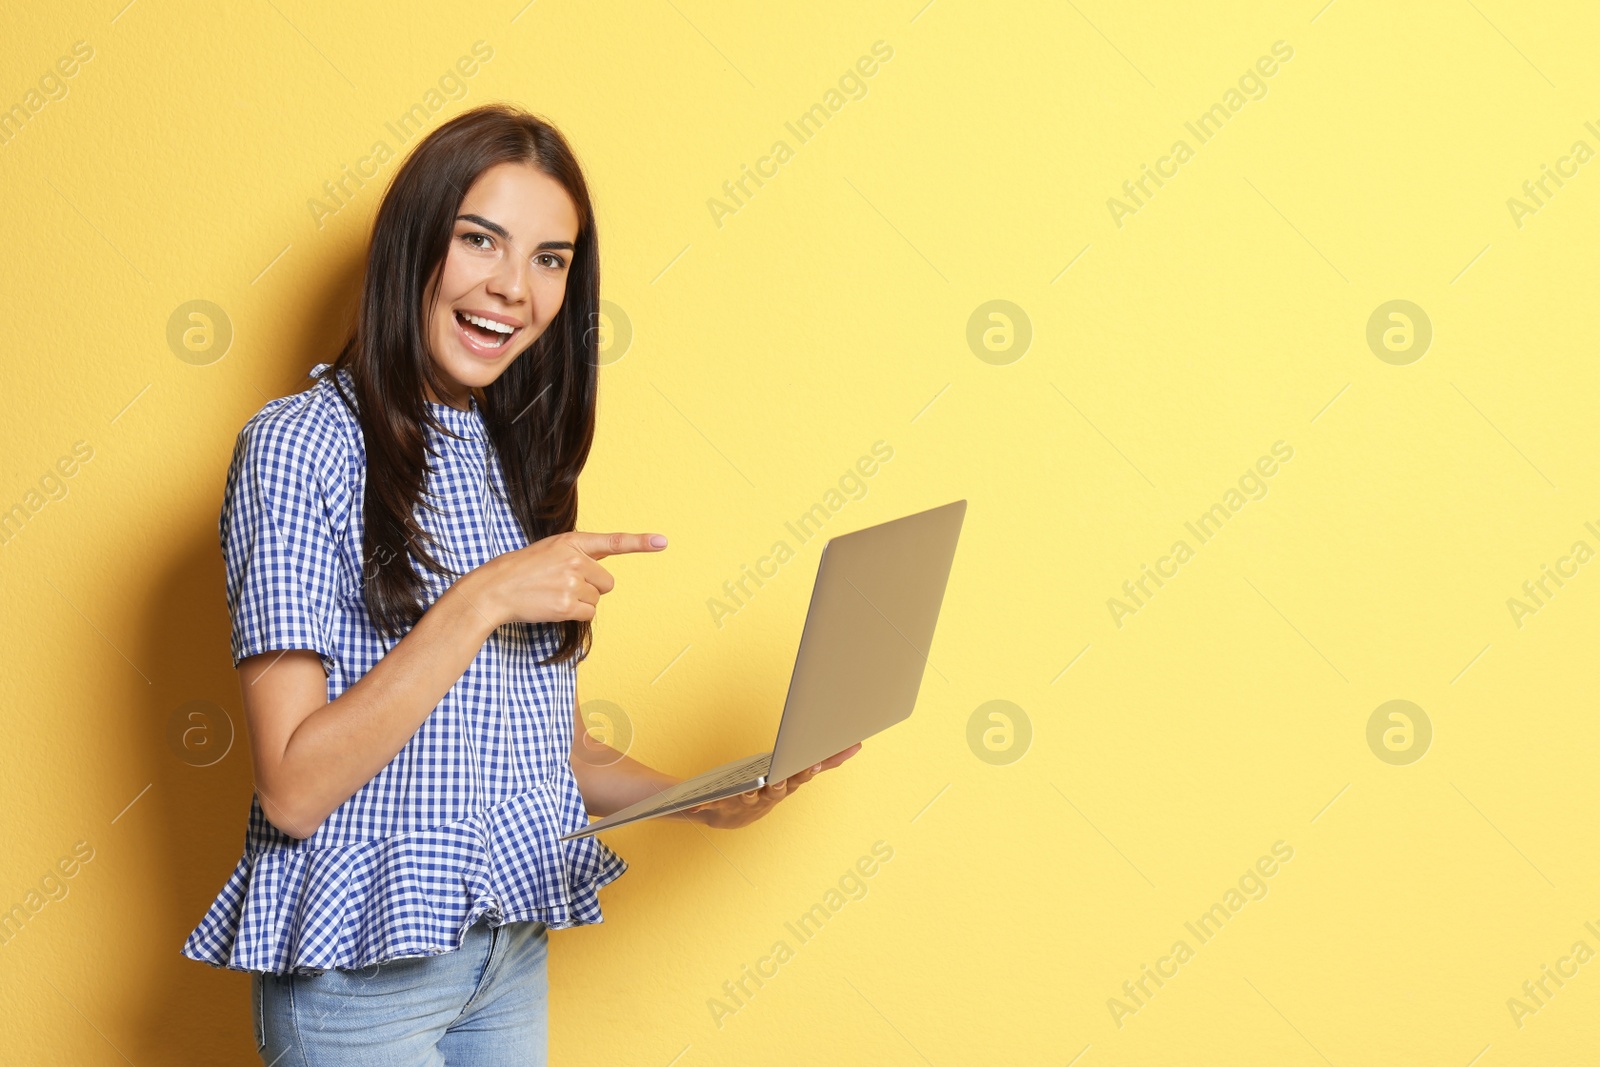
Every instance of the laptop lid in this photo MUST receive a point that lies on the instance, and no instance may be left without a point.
(867, 634)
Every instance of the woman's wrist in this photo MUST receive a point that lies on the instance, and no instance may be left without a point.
(477, 589)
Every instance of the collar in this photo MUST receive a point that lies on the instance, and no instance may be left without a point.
(468, 423)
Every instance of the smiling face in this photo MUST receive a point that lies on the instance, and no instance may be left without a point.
(504, 277)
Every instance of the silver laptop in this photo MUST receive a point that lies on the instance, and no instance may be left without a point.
(862, 654)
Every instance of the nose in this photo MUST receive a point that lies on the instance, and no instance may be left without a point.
(509, 280)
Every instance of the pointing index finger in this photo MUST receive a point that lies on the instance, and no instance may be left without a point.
(601, 545)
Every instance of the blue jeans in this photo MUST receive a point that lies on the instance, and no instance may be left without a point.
(484, 1005)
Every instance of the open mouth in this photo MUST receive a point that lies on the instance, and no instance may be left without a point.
(483, 336)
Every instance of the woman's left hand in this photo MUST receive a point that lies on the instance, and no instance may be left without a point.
(742, 809)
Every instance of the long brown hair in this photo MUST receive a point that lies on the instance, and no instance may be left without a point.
(539, 413)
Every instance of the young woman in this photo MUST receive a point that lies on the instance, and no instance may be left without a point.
(409, 601)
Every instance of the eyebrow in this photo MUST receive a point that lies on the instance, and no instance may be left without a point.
(500, 231)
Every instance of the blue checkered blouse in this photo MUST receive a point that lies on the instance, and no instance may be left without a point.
(464, 821)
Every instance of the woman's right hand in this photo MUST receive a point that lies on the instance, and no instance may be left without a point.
(556, 578)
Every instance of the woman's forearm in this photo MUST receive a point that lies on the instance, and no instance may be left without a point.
(610, 781)
(342, 745)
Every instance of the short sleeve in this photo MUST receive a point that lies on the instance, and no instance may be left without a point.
(279, 549)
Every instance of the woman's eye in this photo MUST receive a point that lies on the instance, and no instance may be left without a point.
(553, 261)
(469, 237)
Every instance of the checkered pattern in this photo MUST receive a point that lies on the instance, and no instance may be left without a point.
(464, 820)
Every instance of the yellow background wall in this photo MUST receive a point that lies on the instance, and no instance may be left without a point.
(1154, 757)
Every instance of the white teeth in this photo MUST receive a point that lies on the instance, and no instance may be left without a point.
(489, 344)
(488, 324)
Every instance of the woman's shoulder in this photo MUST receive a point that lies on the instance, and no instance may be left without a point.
(314, 427)
(311, 439)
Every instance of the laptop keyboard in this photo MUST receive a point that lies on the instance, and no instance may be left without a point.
(751, 768)
(686, 794)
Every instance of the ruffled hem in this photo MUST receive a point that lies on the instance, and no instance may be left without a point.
(412, 894)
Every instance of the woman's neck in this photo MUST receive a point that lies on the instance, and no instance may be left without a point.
(460, 403)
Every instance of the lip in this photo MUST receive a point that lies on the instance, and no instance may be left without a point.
(471, 344)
